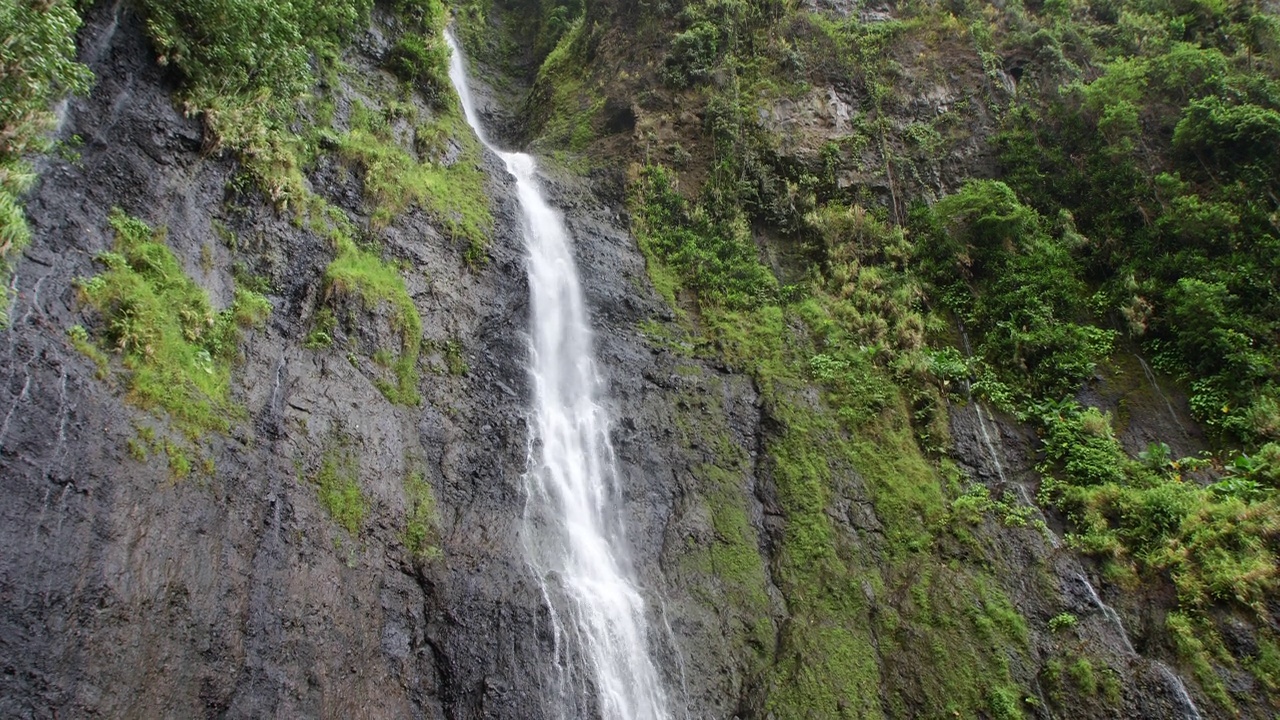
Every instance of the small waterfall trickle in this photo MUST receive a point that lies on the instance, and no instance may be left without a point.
(1108, 612)
(573, 534)
(1151, 378)
(1186, 704)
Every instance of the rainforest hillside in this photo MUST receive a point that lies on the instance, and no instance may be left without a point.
(942, 341)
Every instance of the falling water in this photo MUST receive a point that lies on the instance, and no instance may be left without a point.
(991, 447)
(573, 537)
(1151, 378)
(1108, 612)
(1189, 710)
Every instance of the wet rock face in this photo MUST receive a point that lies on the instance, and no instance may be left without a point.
(232, 592)
(1045, 578)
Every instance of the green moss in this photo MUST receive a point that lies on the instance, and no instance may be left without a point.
(563, 99)
(177, 350)
(866, 615)
(1081, 672)
(394, 179)
(358, 273)
(728, 571)
(1266, 664)
(80, 339)
(1189, 638)
(179, 461)
(421, 533)
(338, 487)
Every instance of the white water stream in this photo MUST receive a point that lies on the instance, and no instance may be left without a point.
(573, 536)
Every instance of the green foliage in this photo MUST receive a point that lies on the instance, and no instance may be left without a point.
(715, 258)
(423, 61)
(1081, 672)
(321, 335)
(421, 530)
(37, 67)
(238, 47)
(1016, 286)
(860, 425)
(360, 274)
(1003, 702)
(246, 65)
(563, 104)
(1062, 621)
(1188, 638)
(177, 350)
(80, 339)
(394, 179)
(420, 56)
(338, 487)
(1168, 160)
(1216, 542)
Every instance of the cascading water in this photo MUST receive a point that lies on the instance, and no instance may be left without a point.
(573, 538)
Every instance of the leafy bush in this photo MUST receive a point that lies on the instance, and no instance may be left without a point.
(1017, 288)
(177, 348)
(715, 257)
(247, 64)
(37, 67)
(1062, 621)
(1217, 543)
(422, 60)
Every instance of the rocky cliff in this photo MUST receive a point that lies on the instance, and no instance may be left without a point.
(814, 538)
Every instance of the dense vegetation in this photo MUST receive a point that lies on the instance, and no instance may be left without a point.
(1135, 207)
(177, 350)
(1136, 211)
(37, 67)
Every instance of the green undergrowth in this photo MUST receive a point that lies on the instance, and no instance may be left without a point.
(181, 458)
(1207, 527)
(395, 179)
(364, 276)
(246, 66)
(337, 483)
(1070, 681)
(848, 592)
(727, 572)
(564, 99)
(37, 68)
(1150, 520)
(176, 350)
(1164, 157)
(421, 531)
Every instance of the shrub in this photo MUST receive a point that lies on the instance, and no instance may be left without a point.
(177, 348)
(338, 487)
(37, 67)
(423, 61)
(1062, 621)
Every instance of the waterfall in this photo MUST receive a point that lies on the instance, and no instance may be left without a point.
(571, 533)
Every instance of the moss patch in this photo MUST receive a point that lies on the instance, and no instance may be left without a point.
(176, 350)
